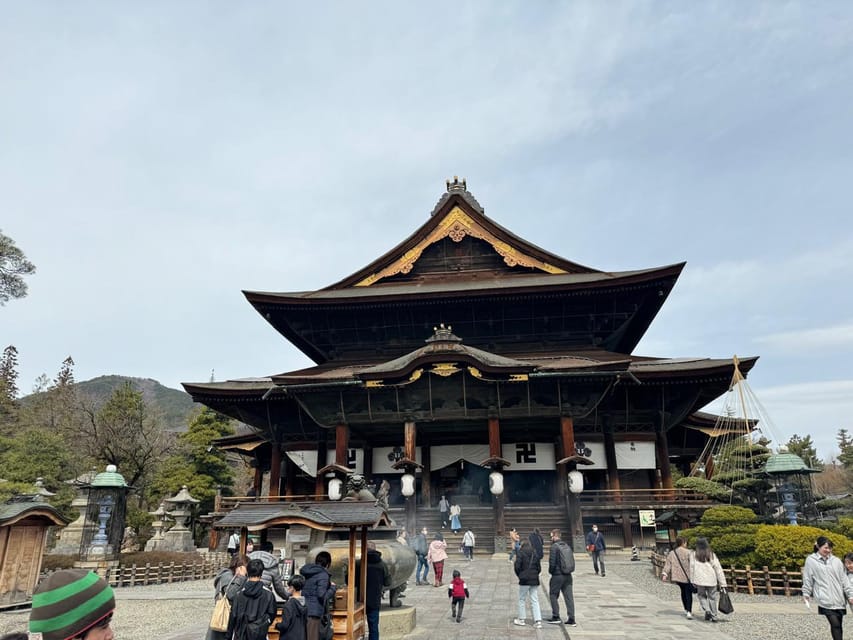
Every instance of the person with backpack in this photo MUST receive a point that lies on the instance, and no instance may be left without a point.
(457, 591)
(254, 607)
(561, 564)
(318, 590)
(420, 547)
(294, 616)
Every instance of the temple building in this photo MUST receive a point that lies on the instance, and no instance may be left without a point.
(469, 362)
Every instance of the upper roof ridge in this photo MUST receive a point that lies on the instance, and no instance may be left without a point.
(459, 188)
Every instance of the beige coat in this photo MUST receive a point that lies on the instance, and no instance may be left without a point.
(707, 574)
(675, 571)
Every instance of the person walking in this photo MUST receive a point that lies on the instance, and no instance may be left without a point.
(515, 542)
(254, 607)
(443, 510)
(596, 547)
(561, 565)
(538, 543)
(675, 570)
(457, 592)
(706, 573)
(469, 540)
(420, 547)
(318, 590)
(825, 580)
(378, 578)
(527, 569)
(455, 522)
(227, 584)
(294, 615)
(436, 555)
(72, 603)
(233, 543)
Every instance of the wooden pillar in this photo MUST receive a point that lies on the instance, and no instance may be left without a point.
(410, 432)
(289, 476)
(367, 464)
(258, 481)
(341, 444)
(612, 469)
(426, 476)
(320, 481)
(662, 454)
(495, 451)
(275, 471)
(709, 466)
(567, 440)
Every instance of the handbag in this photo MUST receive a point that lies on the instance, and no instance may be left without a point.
(221, 611)
(725, 602)
(590, 547)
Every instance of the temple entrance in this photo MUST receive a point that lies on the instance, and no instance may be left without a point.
(529, 486)
(464, 483)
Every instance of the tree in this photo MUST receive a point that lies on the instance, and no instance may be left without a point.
(196, 463)
(738, 465)
(123, 432)
(8, 384)
(845, 445)
(805, 449)
(13, 267)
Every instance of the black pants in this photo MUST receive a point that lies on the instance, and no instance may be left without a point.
(836, 619)
(561, 583)
(456, 608)
(686, 595)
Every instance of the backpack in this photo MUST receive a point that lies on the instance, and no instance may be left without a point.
(254, 622)
(565, 557)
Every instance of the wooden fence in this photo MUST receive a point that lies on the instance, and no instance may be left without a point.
(752, 580)
(164, 573)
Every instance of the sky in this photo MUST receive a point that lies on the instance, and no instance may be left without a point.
(158, 158)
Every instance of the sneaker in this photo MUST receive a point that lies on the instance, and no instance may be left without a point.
(554, 620)
(458, 619)
(707, 615)
(519, 622)
(537, 624)
(602, 574)
(571, 622)
(689, 616)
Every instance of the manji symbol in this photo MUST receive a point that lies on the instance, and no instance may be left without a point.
(525, 453)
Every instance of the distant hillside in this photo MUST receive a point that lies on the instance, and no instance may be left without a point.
(175, 405)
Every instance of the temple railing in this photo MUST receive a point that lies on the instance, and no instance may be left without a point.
(625, 497)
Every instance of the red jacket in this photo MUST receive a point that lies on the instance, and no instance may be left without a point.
(457, 589)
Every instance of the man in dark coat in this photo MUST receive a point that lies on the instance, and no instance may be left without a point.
(596, 546)
(253, 609)
(561, 564)
(318, 590)
(378, 578)
(420, 547)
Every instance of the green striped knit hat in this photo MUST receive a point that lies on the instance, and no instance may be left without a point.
(69, 602)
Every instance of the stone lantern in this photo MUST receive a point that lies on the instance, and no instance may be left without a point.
(159, 523)
(105, 516)
(179, 537)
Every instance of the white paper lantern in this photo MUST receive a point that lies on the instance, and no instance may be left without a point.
(575, 481)
(496, 483)
(335, 489)
(408, 482)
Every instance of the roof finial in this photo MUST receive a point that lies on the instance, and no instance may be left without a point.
(456, 185)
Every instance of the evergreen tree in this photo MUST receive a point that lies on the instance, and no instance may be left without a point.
(805, 449)
(196, 463)
(845, 445)
(8, 385)
(13, 267)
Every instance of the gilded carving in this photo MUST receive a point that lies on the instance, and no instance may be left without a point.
(445, 369)
(456, 225)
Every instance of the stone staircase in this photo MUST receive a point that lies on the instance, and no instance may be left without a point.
(481, 521)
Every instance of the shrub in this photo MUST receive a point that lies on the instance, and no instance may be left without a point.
(159, 557)
(728, 516)
(710, 488)
(55, 562)
(778, 546)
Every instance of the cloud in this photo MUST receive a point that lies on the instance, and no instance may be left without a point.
(838, 336)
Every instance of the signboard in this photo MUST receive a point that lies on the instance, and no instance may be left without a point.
(286, 569)
(647, 517)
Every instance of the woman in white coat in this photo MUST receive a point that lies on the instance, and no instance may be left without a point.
(825, 580)
(706, 573)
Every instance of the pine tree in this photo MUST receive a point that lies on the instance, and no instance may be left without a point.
(8, 384)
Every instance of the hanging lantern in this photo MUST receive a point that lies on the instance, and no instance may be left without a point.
(335, 489)
(408, 482)
(575, 481)
(496, 483)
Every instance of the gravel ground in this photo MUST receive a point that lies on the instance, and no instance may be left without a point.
(145, 613)
(749, 626)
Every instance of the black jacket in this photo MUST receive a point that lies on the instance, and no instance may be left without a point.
(252, 604)
(527, 566)
(378, 577)
(561, 559)
(317, 590)
(294, 617)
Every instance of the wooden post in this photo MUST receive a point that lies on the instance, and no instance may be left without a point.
(410, 432)
(426, 482)
(258, 481)
(612, 470)
(275, 471)
(341, 444)
(495, 451)
(567, 439)
(289, 476)
(319, 481)
(662, 452)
